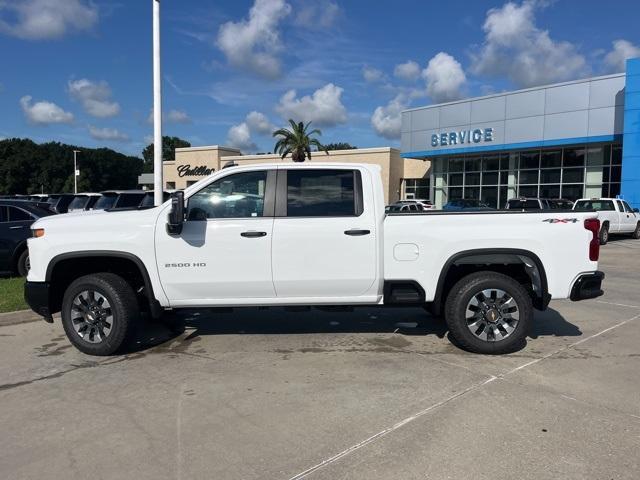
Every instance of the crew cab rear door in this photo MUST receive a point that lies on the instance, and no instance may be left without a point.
(324, 233)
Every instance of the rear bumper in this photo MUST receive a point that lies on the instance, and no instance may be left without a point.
(36, 294)
(587, 286)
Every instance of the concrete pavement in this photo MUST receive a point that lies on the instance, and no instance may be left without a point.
(363, 395)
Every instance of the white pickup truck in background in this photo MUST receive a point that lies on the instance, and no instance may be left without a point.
(615, 215)
(308, 234)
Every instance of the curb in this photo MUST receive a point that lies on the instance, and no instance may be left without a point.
(21, 316)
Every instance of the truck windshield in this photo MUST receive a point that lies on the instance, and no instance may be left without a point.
(79, 203)
(105, 202)
(599, 205)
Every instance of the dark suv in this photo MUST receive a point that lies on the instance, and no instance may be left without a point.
(16, 217)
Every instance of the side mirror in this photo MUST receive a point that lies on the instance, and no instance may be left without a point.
(176, 214)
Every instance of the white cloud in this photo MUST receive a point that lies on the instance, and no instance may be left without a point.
(239, 137)
(172, 116)
(46, 19)
(323, 108)
(107, 134)
(516, 48)
(445, 78)
(178, 116)
(317, 14)
(409, 71)
(372, 75)
(43, 112)
(622, 50)
(259, 123)
(95, 97)
(387, 121)
(255, 43)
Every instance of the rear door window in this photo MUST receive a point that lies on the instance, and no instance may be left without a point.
(322, 193)
(18, 215)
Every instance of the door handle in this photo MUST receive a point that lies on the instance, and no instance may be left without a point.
(16, 227)
(357, 233)
(253, 234)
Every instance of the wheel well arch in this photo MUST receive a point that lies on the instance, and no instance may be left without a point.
(605, 224)
(65, 268)
(21, 247)
(523, 265)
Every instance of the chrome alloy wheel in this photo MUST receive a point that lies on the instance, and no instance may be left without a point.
(492, 315)
(91, 316)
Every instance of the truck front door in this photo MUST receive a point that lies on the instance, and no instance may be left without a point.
(629, 219)
(324, 234)
(224, 250)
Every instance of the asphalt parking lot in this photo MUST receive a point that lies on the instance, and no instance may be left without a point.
(370, 394)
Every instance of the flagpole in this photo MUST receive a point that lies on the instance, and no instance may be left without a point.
(157, 108)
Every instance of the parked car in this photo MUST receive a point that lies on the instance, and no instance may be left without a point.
(531, 203)
(308, 234)
(83, 201)
(615, 215)
(120, 200)
(16, 218)
(60, 202)
(426, 204)
(148, 200)
(466, 205)
(404, 207)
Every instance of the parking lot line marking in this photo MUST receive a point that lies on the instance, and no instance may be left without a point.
(571, 345)
(386, 431)
(618, 304)
(430, 408)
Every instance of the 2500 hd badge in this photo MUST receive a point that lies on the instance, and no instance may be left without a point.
(184, 265)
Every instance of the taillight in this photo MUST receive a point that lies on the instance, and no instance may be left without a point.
(593, 225)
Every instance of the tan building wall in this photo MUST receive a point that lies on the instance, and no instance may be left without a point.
(194, 163)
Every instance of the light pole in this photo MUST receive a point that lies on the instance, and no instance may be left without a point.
(75, 171)
(157, 108)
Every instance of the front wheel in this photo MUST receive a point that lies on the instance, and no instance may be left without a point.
(99, 312)
(488, 312)
(22, 266)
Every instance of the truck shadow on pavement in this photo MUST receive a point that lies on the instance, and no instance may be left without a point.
(182, 327)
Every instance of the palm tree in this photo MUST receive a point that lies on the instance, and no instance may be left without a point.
(297, 141)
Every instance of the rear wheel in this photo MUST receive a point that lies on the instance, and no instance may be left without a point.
(488, 312)
(604, 234)
(99, 312)
(636, 232)
(22, 266)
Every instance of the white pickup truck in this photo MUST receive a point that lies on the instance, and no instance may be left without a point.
(307, 235)
(615, 215)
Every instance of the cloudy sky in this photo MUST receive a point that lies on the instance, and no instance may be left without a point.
(79, 71)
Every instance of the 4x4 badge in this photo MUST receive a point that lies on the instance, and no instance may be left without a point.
(560, 220)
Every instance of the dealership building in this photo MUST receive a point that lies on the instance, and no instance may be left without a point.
(568, 140)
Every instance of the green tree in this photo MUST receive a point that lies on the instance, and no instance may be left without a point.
(28, 167)
(339, 146)
(169, 145)
(297, 141)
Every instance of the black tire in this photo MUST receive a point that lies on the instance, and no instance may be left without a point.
(123, 308)
(22, 265)
(636, 232)
(604, 234)
(460, 297)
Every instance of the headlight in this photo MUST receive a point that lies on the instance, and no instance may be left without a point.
(38, 232)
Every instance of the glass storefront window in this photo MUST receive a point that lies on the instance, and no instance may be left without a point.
(456, 179)
(530, 191)
(616, 173)
(472, 193)
(574, 157)
(491, 162)
(455, 193)
(572, 192)
(473, 164)
(472, 179)
(572, 175)
(417, 188)
(550, 176)
(530, 159)
(490, 196)
(490, 178)
(528, 177)
(551, 158)
(616, 155)
(456, 165)
(549, 191)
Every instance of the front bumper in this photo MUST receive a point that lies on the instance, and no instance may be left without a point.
(36, 294)
(588, 285)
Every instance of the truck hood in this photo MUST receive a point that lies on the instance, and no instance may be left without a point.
(95, 221)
